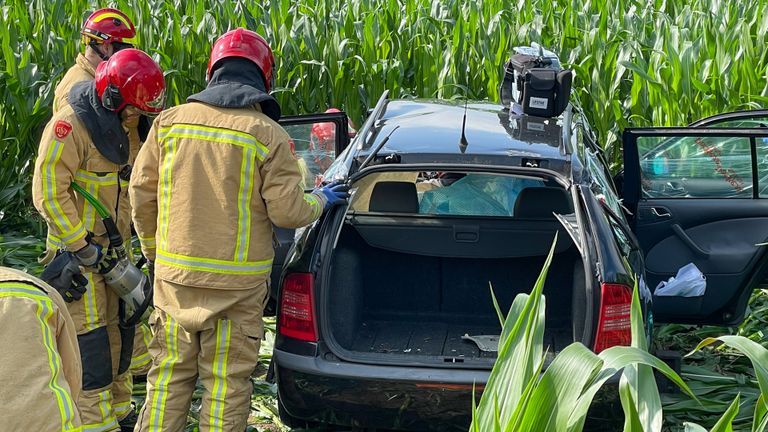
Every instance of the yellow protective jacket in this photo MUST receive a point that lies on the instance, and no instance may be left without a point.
(82, 70)
(41, 374)
(206, 188)
(67, 153)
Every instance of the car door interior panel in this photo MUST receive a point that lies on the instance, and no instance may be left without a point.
(693, 197)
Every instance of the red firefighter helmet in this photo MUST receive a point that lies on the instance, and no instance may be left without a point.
(131, 77)
(108, 26)
(246, 44)
(323, 134)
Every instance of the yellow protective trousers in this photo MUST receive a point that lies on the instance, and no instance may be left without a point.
(210, 334)
(141, 360)
(105, 349)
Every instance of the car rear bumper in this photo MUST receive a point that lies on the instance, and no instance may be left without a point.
(387, 397)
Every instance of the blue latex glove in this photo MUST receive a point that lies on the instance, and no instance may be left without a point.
(335, 193)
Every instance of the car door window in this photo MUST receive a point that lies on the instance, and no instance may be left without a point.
(601, 185)
(620, 230)
(695, 167)
(756, 121)
(315, 140)
(313, 146)
(746, 123)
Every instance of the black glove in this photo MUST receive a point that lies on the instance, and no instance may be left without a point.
(63, 273)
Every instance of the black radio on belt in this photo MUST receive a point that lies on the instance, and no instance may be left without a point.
(125, 172)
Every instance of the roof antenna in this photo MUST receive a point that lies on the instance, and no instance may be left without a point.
(463, 144)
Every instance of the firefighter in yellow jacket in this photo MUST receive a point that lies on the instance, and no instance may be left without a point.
(86, 142)
(41, 374)
(208, 184)
(105, 32)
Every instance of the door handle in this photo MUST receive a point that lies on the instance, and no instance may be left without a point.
(660, 212)
(689, 241)
(466, 233)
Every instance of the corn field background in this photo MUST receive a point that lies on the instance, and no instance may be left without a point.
(636, 63)
(663, 62)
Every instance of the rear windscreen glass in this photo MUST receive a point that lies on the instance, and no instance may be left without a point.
(442, 193)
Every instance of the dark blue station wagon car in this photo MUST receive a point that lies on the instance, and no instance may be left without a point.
(379, 301)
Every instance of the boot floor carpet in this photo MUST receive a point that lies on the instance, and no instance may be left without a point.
(419, 338)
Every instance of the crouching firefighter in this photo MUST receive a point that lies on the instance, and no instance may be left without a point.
(41, 374)
(81, 177)
(209, 182)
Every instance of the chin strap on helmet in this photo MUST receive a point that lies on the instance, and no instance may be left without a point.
(95, 47)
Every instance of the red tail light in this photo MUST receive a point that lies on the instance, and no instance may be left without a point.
(297, 312)
(614, 325)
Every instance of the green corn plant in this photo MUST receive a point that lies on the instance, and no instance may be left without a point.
(715, 376)
(637, 63)
(758, 356)
(21, 252)
(518, 396)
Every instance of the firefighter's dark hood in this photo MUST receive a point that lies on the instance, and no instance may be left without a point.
(238, 83)
(104, 126)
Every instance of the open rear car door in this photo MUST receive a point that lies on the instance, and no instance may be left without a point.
(316, 141)
(698, 195)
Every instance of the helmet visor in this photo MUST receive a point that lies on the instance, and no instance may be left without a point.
(118, 46)
(155, 105)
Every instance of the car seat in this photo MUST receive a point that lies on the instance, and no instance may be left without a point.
(542, 202)
(394, 197)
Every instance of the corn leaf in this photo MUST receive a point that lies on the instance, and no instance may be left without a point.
(517, 416)
(519, 358)
(637, 387)
(725, 424)
(614, 360)
(632, 422)
(756, 353)
(760, 419)
(552, 401)
(496, 306)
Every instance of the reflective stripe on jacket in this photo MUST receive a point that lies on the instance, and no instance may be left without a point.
(207, 186)
(41, 375)
(66, 154)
